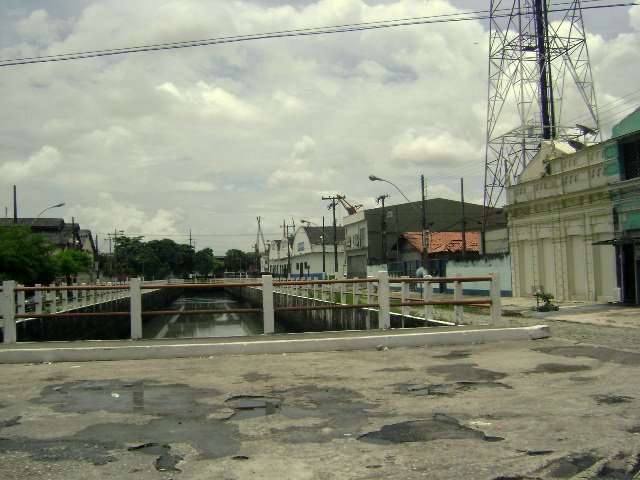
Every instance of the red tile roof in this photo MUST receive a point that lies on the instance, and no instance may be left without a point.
(441, 242)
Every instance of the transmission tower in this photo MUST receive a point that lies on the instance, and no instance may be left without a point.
(539, 75)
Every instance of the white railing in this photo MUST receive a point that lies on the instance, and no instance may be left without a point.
(334, 292)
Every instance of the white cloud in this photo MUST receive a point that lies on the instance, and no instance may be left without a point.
(105, 214)
(195, 186)
(442, 150)
(39, 27)
(208, 138)
(37, 165)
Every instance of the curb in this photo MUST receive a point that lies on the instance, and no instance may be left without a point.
(297, 343)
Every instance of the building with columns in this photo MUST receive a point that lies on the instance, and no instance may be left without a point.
(559, 215)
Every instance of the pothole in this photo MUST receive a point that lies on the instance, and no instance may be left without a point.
(252, 407)
(602, 354)
(451, 389)
(559, 368)
(468, 372)
(454, 355)
(440, 427)
(612, 399)
(165, 461)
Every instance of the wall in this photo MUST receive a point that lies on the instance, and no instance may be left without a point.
(321, 320)
(481, 267)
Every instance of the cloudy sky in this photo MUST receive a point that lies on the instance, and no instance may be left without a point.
(206, 139)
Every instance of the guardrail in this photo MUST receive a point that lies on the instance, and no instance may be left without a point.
(363, 292)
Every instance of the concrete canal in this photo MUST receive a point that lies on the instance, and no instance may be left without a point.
(203, 325)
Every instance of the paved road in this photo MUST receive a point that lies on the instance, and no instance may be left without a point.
(564, 407)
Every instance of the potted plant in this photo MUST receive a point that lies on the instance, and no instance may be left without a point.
(547, 304)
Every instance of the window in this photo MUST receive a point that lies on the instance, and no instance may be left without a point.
(631, 159)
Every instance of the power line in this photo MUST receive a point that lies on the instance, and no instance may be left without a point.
(353, 27)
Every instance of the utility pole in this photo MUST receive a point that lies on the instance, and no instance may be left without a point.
(332, 206)
(464, 221)
(425, 229)
(383, 229)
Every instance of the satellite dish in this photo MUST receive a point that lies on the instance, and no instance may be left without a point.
(576, 144)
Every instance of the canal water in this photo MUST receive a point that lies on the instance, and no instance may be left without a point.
(204, 325)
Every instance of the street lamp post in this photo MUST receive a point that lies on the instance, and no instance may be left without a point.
(62, 204)
(422, 215)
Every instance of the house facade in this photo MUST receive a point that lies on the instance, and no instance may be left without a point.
(309, 253)
(376, 239)
(560, 212)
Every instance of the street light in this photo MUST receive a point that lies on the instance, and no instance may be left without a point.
(62, 204)
(422, 216)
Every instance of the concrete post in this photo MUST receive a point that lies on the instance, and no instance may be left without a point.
(384, 301)
(369, 293)
(20, 302)
(457, 295)
(37, 299)
(9, 311)
(268, 314)
(405, 296)
(496, 302)
(427, 293)
(135, 302)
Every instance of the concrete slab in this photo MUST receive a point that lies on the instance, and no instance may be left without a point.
(289, 343)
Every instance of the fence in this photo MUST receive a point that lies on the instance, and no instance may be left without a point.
(362, 293)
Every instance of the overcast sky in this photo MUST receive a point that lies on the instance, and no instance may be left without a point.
(206, 139)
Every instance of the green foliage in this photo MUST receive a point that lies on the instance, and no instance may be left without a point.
(25, 257)
(236, 261)
(70, 262)
(156, 259)
(204, 261)
(547, 304)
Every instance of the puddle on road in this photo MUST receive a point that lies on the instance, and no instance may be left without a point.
(602, 354)
(125, 397)
(440, 427)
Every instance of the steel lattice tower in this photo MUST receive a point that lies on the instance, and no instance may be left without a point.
(539, 74)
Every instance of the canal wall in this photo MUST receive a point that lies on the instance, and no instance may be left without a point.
(334, 319)
(70, 327)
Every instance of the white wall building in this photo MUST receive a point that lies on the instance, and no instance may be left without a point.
(558, 210)
(310, 255)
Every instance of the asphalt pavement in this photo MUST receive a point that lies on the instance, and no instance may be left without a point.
(556, 407)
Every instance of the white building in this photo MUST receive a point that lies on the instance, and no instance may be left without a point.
(310, 254)
(559, 209)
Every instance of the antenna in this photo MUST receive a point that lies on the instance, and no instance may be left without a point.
(536, 54)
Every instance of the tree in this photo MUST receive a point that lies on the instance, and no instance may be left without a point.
(70, 262)
(236, 260)
(25, 257)
(204, 261)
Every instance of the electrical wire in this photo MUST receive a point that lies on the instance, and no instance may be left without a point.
(353, 27)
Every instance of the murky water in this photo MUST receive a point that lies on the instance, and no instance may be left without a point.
(203, 325)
